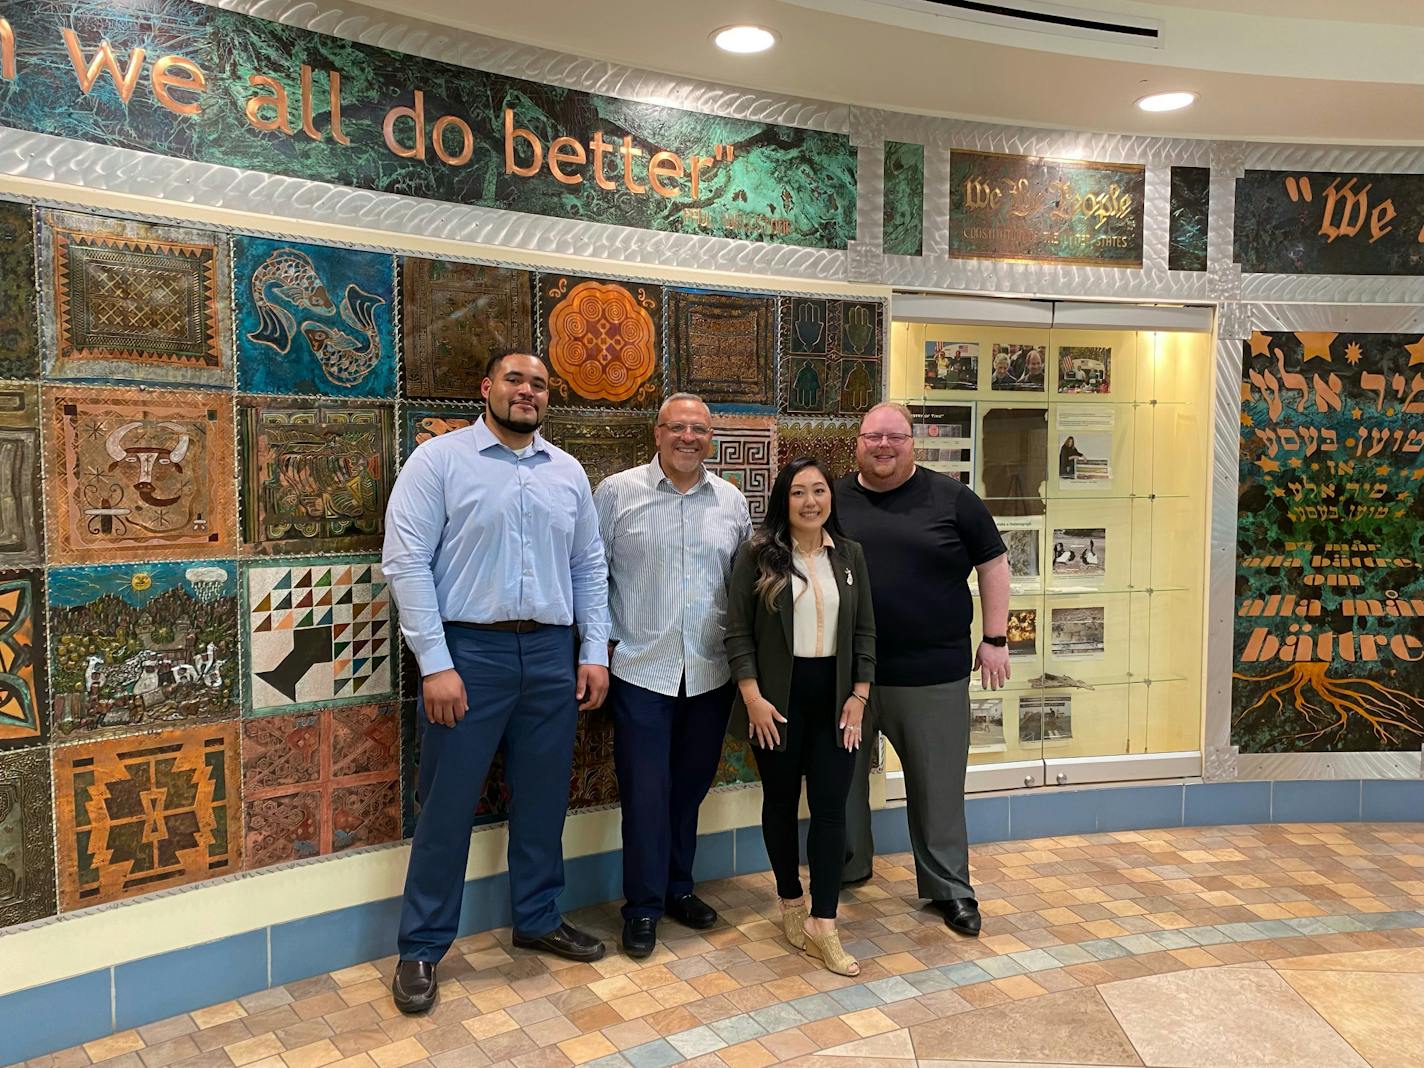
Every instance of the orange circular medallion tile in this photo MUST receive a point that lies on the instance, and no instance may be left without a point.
(602, 342)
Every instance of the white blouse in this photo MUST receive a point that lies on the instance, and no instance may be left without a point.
(817, 601)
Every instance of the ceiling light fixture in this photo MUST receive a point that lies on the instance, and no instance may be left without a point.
(1173, 101)
(744, 40)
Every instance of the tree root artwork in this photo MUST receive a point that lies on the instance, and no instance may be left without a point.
(1328, 704)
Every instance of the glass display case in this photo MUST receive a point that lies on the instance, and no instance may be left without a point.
(1090, 445)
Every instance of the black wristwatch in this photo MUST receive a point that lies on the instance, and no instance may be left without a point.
(998, 640)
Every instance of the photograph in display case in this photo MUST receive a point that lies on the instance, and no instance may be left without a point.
(1085, 447)
(1084, 369)
(1014, 470)
(1018, 368)
(1045, 719)
(1077, 633)
(952, 365)
(986, 725)
(1080, 552)
(944, 438)
(1023, 632)
(1023, 537)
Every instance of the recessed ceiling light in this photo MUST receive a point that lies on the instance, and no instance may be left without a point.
(744, 39)
(1174, 101)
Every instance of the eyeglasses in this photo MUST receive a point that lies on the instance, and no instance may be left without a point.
(888, 439)
(696, 429)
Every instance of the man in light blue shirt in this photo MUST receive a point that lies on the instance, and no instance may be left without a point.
(493, 556)
(671, 529)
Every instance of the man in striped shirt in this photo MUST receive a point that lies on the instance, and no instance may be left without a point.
(670, 530)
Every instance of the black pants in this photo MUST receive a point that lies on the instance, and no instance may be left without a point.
(813, 749)
(666, 751)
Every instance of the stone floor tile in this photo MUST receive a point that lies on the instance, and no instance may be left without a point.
(1074, 1027)
(1222, 1018)
(155, 1034)
(115, 1045)
(1376, 1011)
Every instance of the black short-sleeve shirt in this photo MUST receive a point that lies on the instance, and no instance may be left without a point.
(921, 540)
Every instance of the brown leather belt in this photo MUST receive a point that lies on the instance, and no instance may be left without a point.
(508, 626)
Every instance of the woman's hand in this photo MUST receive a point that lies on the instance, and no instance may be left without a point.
(762, 718)
(851, 715)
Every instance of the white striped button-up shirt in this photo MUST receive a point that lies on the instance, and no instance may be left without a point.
(669, 560)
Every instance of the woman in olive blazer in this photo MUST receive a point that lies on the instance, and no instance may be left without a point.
(801, 643)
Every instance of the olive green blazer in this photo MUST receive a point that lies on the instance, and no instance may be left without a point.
(760, 643)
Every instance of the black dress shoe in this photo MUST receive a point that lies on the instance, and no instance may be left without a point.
(640, 936)
(691, 911)
(564, 941)
(848, 884)
(414, 986)
(961, 914)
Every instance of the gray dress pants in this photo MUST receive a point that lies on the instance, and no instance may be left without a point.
(929, 728)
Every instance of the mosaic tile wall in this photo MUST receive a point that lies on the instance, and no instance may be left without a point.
(200, 669)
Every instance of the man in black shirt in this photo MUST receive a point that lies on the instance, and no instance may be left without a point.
(923, 532)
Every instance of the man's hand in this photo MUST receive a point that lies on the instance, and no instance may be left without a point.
(592, 686)
(992, 662)
(445, 699)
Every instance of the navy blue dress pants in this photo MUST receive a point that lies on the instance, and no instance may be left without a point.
(666, 751)
(520, 689)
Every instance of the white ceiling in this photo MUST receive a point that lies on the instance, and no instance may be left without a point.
(1325, 72)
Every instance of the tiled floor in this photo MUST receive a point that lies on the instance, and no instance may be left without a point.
(1202, 948)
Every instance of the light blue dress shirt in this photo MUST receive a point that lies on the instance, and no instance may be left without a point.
(478, 533)
(670, 558)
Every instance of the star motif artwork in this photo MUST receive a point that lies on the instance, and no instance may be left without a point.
(1416, 352)
(1260, 343)
(1316, 345)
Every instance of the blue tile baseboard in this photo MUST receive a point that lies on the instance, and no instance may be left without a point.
(79, 1009)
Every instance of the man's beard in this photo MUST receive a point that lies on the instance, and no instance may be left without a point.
(521, 426)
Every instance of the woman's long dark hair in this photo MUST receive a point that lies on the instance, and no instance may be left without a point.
(771, 544)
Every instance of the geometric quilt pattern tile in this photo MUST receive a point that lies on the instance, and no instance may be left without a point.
(320, 632)
(744, 453)
(315, 474)
(146, 812)
(26, 838)
(134, 301)
(138, 475)
(313, 319)
(135, 646)
(455, 316)
(20, 539)
(19, 346)
(722, 346)
(24, 719)
(602, 342)
(319, 782)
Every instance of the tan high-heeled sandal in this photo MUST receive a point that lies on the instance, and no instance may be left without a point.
(793, 922)
(828, 950)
